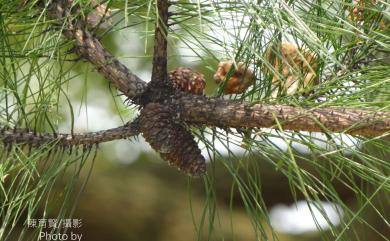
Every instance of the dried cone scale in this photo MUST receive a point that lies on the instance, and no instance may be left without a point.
(174, 142)
(239, 80)
(187, 80)
(293, 69)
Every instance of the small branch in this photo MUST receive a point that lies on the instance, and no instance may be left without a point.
(91, 49)
(225, 113)
(159, 72)
(24, 136)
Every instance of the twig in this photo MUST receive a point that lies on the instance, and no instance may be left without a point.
(227, 113)
(159, 71)
(91, 49)
(9, 136)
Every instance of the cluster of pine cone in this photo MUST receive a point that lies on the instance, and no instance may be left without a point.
(174, 141)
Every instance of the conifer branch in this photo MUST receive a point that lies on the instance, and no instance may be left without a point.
(235, 114)
(90, 48)
(194, 109)
(18, 135)
(159, 71)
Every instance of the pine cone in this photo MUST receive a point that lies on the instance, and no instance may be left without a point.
(174, 143)
(187, 80)
(240, 79)
(293, 69)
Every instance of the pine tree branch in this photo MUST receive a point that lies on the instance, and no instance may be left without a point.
(19, 135)
(164, 109)
(227, 113)
(159, 71)
(90, 48)
(160, 87)
(217, 112)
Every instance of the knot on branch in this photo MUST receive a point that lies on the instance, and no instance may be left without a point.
(172, 140)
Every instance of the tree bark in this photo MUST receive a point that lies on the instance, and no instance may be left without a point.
(10, 136)
(90, 49)
(227, 113)
(159, 71)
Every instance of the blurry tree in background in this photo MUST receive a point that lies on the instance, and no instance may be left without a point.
(312, 123)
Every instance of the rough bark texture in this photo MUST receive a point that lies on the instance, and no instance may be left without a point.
(89, 47)
(227, 113)
(159, 71)
(9, 136)
(159, 88)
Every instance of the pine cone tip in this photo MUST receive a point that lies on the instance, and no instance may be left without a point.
(185, 79)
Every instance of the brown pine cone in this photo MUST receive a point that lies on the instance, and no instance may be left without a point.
(187, 80)
(240, 79)
(174, 143)
(293, 69)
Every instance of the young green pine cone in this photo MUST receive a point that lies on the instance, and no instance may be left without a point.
(187, 80)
